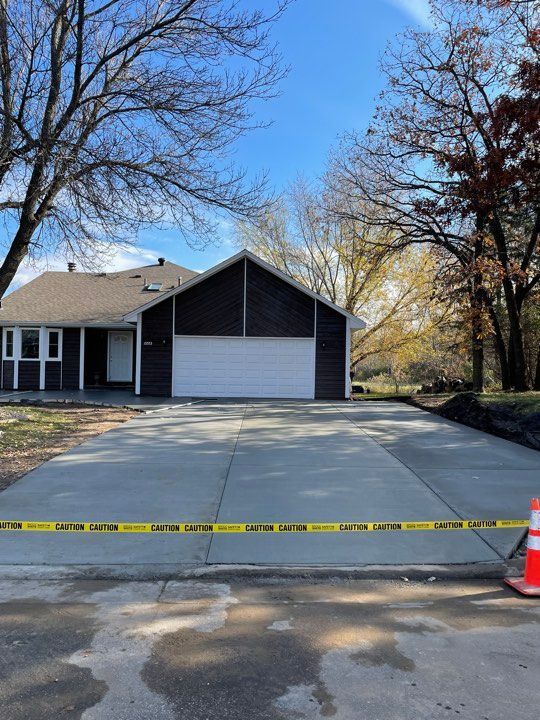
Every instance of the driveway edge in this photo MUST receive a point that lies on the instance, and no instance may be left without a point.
(469, 571)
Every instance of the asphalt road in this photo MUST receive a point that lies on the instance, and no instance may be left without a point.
(369, 650)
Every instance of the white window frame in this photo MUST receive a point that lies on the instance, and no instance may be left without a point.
(40, 341)
(60, 340)
(5, 356)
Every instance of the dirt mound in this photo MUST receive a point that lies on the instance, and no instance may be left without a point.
(499, 420)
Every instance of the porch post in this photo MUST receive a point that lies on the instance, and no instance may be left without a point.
(16, 355)
(81, 360)
(138, 348)
(43, 352)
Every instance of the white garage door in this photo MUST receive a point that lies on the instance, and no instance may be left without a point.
(244, 367)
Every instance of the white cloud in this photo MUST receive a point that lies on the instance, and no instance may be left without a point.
(418, 9)
(119, 259)
(126, 258)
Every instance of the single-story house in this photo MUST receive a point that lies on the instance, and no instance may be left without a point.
(241, 329)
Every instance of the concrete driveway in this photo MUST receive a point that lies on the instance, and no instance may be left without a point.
(270, 462)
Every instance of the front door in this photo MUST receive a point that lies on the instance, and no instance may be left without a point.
(120, 366)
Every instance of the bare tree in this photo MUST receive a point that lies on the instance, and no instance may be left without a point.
(452, 156)
(116, 113)
(332, 257)
(354, 266)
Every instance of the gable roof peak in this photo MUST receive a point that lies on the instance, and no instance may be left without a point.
(356, 322)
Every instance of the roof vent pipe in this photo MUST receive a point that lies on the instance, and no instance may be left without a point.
(71, 266)
(161, 261)
(179, 280)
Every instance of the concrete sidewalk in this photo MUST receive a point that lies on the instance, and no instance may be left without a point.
(276, 461)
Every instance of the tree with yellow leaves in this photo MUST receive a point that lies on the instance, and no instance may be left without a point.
(350, 263)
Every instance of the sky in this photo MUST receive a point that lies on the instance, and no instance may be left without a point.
(332, 51)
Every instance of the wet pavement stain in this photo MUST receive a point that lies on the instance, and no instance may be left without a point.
(36, 680)
(325, 700)
(384, 654)
(364, 650)
(197, 672)
(297, 674)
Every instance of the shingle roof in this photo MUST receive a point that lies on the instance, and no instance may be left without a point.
(81, 298)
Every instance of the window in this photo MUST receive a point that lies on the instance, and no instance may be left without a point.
(30, 344)
(8, 344)
(53, 345)
(154, 287)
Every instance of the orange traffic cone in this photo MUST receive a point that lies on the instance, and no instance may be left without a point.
(530, 583)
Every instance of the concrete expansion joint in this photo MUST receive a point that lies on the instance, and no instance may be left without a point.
(424, 482)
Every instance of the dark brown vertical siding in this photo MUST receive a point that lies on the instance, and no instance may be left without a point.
(330, 353)
(214, 306)
(53, 374)
(29, 374)
(8, 369)
(156, 354)
(274, 308)
(71, 349)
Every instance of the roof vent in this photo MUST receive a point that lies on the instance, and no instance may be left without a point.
(135, 276)
(161, 261)
(179, 280)
(71, 267)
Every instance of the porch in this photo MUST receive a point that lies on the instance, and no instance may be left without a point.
(67, 358)
(109, 358)
(111, 397)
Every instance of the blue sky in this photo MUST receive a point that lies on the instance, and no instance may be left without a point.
(333, 50)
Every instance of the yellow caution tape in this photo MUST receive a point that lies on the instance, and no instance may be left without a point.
(197, 528)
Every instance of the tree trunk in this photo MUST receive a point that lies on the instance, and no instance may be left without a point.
(537, 374)
(515, 344)
(477, 342)
(477, 360)
(477, 300)
(15, 255)
(511, 363)
(500, 348)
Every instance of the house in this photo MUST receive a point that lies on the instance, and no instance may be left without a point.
(241, 329)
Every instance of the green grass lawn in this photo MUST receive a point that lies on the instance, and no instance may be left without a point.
(521, 403)
(23, 427)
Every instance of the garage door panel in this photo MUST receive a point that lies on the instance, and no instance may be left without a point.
(244, 367)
